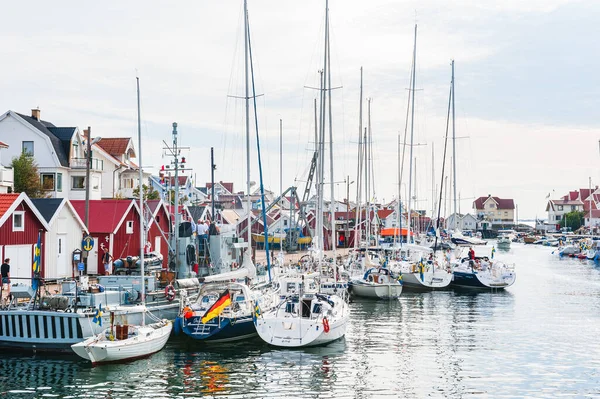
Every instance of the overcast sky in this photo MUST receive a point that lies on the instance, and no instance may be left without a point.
(527, 85)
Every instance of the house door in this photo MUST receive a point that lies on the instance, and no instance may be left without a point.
(92, 260)
(21, 262)
(157, 242)
(62, 266)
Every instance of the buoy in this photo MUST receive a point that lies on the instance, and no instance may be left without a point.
(170, 292)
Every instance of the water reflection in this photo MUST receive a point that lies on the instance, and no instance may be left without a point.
(537, 339)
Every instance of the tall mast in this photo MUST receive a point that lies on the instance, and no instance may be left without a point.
(412, 123)
(368, 170)
(142, 228)
(358, 213)
(331, 204)
(281, 180)
(453, 147)
(247, 97)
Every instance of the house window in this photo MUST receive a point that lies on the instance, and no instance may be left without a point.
(560, 207)
(129, 227)
(59, 182)
(492, 205)
(573, 207)
(95, 183)
(18, 221)
(48, 181)
(28, 147)
(78, 182)
(285, 222)
(505, 213)
(127, 183)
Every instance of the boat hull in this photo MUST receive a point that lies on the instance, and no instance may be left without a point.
(375, 290)
(297, 332)
(431, 281)
(479, 281)
(219, 329)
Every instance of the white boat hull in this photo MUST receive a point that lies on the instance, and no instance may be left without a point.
(292, 331)
(376, 290)
(439, 280)
(148, 340)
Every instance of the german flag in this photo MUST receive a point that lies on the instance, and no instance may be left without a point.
(216, 309)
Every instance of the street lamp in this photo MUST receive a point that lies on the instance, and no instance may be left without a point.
(88, 164)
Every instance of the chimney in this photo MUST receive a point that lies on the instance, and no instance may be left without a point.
(35, 113)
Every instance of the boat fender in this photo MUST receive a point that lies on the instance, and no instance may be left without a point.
(325, 324)
(170, 292)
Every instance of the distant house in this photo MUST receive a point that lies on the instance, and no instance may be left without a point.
(115, 227)
(498, 211)
(6, 173)
(58, 151)
(461, 222)
(120, 175)
(558, 208)
(20, 225)
(66, 229)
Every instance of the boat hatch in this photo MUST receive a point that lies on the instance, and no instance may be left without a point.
(306, 308)
(317, 307)
(240, 298)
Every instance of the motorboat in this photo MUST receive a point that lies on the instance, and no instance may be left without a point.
(503, 242)
(459, 238)
(120, 343)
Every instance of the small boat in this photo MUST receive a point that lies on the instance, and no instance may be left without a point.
(377, 282)
(459, 239)
(503, 242)
(421, 268)
(120, 343)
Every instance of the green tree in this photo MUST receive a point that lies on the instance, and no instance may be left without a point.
(149, 192)
(574, 220)
(27, 176)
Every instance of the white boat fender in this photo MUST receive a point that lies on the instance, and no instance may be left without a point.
(170, 292)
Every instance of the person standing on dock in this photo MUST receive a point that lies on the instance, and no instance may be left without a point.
(5, 273)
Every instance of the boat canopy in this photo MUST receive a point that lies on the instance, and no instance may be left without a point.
(395, 231)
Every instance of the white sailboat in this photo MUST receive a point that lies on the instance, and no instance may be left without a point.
(305, 317)
(419, 267)
(128, 342)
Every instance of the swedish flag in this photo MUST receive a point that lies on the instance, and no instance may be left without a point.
(400, 279)
(493, 252)
(98, 316)
(421, 266)
(256, 313)
(37, 260)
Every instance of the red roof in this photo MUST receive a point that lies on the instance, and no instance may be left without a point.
(105, 215)
(115, 146)
(226, 186)
(384, 213)
(502, 203)
(170, 180)
(6, 200)
(595, 214)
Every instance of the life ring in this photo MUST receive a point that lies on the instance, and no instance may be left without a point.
(325, 324)
(170, 293)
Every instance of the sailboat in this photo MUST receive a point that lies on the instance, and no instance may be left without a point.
(419, 267)
(225, 308)
(306, 317)
(373, 280)
(128, 342)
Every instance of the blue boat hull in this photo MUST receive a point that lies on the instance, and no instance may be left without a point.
(467, 280)
(219, 329)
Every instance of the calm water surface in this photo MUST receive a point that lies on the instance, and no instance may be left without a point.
(538, 339)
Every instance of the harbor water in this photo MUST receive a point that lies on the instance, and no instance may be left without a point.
(537, 339)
